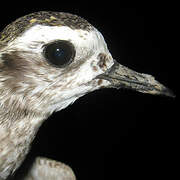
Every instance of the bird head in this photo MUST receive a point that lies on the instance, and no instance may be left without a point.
(50, 59)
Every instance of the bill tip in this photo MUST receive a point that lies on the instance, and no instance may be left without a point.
(168, 92)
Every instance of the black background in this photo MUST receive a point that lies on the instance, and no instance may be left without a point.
(112, 134)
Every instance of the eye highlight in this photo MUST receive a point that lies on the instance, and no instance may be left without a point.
(59, 53)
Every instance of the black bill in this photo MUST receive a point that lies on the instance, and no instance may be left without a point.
(122, 77)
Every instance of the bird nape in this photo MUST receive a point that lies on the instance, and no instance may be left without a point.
(47, 61)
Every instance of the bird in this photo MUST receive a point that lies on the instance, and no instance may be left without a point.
(47, 61)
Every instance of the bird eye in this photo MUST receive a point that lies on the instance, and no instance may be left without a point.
(59, 53)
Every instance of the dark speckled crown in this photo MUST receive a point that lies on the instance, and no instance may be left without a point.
(49, 18)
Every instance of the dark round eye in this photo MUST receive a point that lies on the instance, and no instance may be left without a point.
(59, 53)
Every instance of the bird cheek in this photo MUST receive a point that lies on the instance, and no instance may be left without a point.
(99, 83)
(103, 62)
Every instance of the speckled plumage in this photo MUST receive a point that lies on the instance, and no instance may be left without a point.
(49, 18)
(31, 89)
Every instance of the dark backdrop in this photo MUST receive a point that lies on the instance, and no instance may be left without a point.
(111, 133)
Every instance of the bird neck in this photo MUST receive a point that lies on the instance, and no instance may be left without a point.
(17, 130)
(21, 125)
(19, 117)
